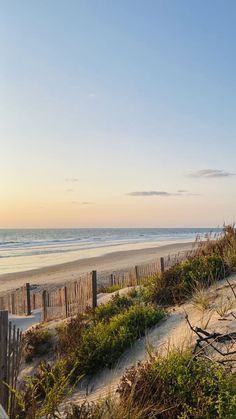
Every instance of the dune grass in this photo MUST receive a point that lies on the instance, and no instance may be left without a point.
(85, 345)
(176, 386)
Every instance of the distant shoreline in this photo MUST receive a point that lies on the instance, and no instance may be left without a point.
(60, 273)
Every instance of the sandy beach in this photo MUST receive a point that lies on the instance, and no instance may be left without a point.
(60, 273)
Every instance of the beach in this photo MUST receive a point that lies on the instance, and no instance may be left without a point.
(114, 261)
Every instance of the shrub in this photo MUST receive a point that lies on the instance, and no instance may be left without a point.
(133, 292)
(177, 386)
(42, 393)
(37, 341)
(148, 287)
(69, 334)
(111, 288)
(102, 344)
(117, 305)
(177, 283)
(183, 387)
(223, 246)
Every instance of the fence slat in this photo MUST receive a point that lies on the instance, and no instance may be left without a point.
(28, 305)
(94, 289)
(44, 306)
(162, 262)
(3, 358)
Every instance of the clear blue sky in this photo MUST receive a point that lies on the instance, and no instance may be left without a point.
(100, 99)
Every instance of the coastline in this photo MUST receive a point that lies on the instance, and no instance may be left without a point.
(61, 273)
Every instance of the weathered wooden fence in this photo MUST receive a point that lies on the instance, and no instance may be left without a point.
(10, 354)
(75, 296)
(17, 302)
(135, 275)
(171, 260)
(132, 276)
(69, 300)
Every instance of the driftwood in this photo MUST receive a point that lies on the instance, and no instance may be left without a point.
(206, 340)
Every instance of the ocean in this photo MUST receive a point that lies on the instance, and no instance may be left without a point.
(26, 249)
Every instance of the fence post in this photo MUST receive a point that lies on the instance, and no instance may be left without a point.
(94, 289)
(3, 357)
(13, 310)
(66, 300)
(44, 305)
(162, 261)
(136, 272)
(34, 302)
(28, 305)
(112, 280)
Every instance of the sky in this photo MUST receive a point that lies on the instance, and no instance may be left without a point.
(117, 113)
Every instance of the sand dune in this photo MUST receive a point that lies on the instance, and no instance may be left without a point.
(170, 332)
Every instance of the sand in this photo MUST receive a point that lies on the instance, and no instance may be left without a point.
(59, 274)
(170, 332)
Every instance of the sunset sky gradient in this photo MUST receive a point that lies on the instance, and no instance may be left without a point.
(117, 113)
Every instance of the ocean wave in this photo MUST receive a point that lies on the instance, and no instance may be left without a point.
(7, 242)
(31, 243)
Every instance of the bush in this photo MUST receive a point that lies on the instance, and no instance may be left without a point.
(177, 283)
(117, 305)
(133, 292)
(148, 288)
(111, 288)
(69, 334)
(180, 386)
(177, 386)
(43, 392)
(37, 342)
(102, 344)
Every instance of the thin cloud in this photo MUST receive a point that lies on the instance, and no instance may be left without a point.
(82, 203)
(69, 190)
(180, 192)
(72, 179)
(211, 173)
(149, 193)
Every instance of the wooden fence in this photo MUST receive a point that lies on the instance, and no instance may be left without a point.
(173, 259)
(135, 275)
(10, 355)
(69, 300)
(131, 277)
(18, 301)
(76, 295)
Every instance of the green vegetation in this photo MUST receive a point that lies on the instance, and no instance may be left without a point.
(212, 261)
(102, 344)
(42, 394)
(177, 283)
(117, 305)
(37, 342)
(178, 386)
(110, 288)
(69, 335)
(86, 344)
